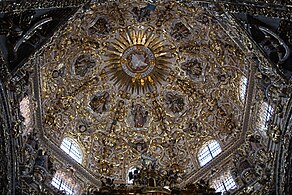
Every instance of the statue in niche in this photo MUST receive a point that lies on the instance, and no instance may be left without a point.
(174, 102)
(180, 31)
(99, 103)
(166, 14)
(139, 115)
(117, 14)
(143, 14)
(193, 69)
(100, 27)
(83, 64)
(41, 159)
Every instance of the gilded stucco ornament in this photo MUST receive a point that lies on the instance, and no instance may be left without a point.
(138, 59)
(124, 86)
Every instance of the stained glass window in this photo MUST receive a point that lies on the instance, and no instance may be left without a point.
(208, 152)
(72, 148)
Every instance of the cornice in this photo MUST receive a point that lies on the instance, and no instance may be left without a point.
(8, 6)
(276, 8)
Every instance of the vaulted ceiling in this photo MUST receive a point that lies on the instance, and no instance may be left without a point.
(147, 81)
(139, 79)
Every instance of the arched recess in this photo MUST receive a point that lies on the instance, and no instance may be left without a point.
(208, 152)
(72, 148)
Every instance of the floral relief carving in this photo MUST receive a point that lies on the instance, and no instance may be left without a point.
(155, 86)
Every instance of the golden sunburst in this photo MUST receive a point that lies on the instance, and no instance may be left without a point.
(138, 60)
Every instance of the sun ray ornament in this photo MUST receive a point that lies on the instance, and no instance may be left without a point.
(138, 60)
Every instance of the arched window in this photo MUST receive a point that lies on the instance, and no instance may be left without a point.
(25, 110)
(132, 172)
(266, 113)
(243, 88)
(72, 148)
(63, 182)
(224, 183)
(208, 152)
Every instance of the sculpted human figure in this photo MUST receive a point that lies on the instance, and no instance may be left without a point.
(101, 27)
(175, 102)
(99, 103)
(193, 69)
(83, 64)
(180, 31)
(139, 115)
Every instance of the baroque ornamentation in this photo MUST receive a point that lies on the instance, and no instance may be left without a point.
(193, 69)
(143, 92)
(138, 59)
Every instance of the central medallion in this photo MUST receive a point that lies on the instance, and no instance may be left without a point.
(138, 60)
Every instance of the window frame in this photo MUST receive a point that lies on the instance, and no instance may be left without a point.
(224, 183)
(60, 183)
(243, 88)
(132, 169)
(210, 150)
(72, 148)
(265, 113)
(268, 113)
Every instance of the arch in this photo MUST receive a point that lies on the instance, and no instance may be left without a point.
(265, 114)
(208, 152)
(243, 88)
(132, 172)
(224, 183)
(72, 148)
(25, 111)
(63, 182)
